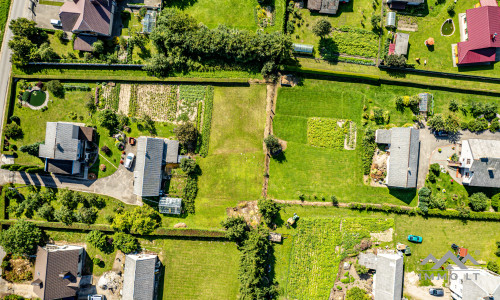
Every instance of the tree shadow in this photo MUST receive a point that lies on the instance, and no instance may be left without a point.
(281, 158)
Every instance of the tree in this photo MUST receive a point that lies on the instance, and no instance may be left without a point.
(395, 60)
(158, 65)
(46, 212)
(437, 201)
(23, 27)
(46, 53)
(453, 105)
(31, 149)
(108, 119)
(334, 200)
(236, 229)
(322, 28)
(22, 49)
(478, 202)
(435, 168)
(269, 70)
(188, 165)
(272, 144)
(357, 293)
(61, 36)
(375, 20)
(439, 123)
(268, 210)
(126, 243)
(56, 88)
(95, 201)
(493, 267)
(495, 125)
(87, 215)
(22, 238)
(97, 239)
(67, 198)
(495, 202)
(65, 215)
(142, 220)
(98, 48)
(186, 135)
(149, 124)
(13, 131)
(451, 9)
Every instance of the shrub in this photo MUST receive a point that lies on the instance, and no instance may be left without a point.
(142, 220)
(437, 201)
(106, 150)
(109, 120)
(478, 202)
(31, 149)
(207, 121)
(65, 215)
(21, 238)
(495, 125)
(67, 198)
(236, 229)
(268, 210)
(87, 215)
(478, 125)
(361, 270)
(493, 267)
(126, 242)
(15, 119)
(395, 60)
(12, 130)
(97, 239)
(453, 105)
(451, 9)
(322, 28)
(436, 169)
(272, 144)
(186, 135)
(188, 165)
(357, 293)
(46, 212)
(424, 194)
(95, 201)
(369, 146)
(335, 201)
(495, 202)
(431, 177)
(56, 88)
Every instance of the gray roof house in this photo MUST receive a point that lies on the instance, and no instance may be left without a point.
(401, 4)
(401, 43)
(58, 271)
(473, 284)
(139, 277)
(152, 155)
(480, 163)
(64, 147)
(388, 279)
(404, 147)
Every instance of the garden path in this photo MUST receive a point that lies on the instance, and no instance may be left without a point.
(271, 97)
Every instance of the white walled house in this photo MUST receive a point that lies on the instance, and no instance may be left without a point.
(480, 163)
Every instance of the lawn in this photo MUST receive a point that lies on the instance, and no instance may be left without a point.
(4, 14)
(232, 13)
(438, 235)
(234, 168)
(196, 269)
(324, 172)
(439, 58)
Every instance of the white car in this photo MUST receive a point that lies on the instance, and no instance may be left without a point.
(129, 160)
(56, 23)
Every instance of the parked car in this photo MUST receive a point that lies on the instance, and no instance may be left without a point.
(55, 23)
(454, 247)
(408, 250)
(436, 292)
(95, 297)
(415, 238)
(129, 160)
(441, 133)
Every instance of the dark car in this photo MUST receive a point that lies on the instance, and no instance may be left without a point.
(436, 292)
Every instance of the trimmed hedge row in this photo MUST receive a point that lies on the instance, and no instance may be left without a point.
(207, 121)
(412, 211)
(107, 228)
(22, 168)
(332, 73)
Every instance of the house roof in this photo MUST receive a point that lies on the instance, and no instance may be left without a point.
(61, 141)
(486, 172)
(403, 159)
(84, 42)
(139, 277)
(484, 148)
(488, 2)
(401, 43)
(388, 280)
(329, 6)
(314, 4)
(56, 272)
(87, 16)
(171, 151)
(475, 283)
(424, 99)
(383, 136)
(148, 166)
(59, 166)
(482, 24)
(368, 260)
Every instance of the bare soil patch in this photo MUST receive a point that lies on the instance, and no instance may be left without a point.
(248, 210)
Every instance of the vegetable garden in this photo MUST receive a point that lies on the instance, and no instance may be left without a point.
(318, 248)
(329, 133)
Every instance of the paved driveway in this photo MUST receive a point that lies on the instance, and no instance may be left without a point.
(429, 143)
(44, 13)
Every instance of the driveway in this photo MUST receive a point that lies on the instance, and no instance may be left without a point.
(44, 13)
(429, 143)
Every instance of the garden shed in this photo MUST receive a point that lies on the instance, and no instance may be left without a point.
(303, 49)
(401, 44)
(172, 206)
(423, 105)
(391, 19)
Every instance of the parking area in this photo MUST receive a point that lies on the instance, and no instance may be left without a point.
(44, 13)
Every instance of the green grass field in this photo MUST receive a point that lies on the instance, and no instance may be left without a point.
(438, 235)
(232, 13)
(325, 172)
(234, 168)
(197, 269)
(4, 15)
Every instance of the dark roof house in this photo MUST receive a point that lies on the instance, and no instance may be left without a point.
(139, 277)
(64, 147)
(401, 4)
(480, 162)
(324, 6)
(404, 147)
(152, 155)
(93, 17)
(58, 271)
(483, 27)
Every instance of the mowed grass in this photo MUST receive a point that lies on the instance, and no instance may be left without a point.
(197, 269)
(324, 172)
(4, 15)
(438, 235)
(234, 168)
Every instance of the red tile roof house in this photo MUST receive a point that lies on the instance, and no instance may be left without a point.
(480, 37)
(88, 19)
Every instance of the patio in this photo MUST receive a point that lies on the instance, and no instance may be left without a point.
(443, 159)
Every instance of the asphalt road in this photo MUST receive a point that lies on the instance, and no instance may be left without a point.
(18, 9)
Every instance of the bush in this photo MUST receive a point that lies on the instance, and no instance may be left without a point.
(478, 202)
(495, 125)
(236, 230)
(56, 88)
(65, 215)
(495, 202)
(142, 220)
(207, 121)
(357, 293)
(97, 239)
(436, 169)
(394, 60)
(268, 210)
(13, 131)
(424, 194)
(493, 267)
(106, 150)
(87, 215)
(361, 270)
(334, 200)
(453, 105)
(369, 146)
(478, 125)
(109, 120)
(31, 149)
(67, 198)
(126, 243)
(272, 144)
(46, 212)
(15, 119)
(437, 201)
(21, 238)
(431, 177)
(188, 165)
(451, 9)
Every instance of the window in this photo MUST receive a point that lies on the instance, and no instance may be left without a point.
(468, 161)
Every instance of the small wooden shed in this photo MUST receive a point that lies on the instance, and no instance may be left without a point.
(275, 237)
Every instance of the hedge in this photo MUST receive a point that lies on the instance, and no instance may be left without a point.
(22, 168)
(332, 73)
(207, 121)
(449, 213)
(139, 79)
